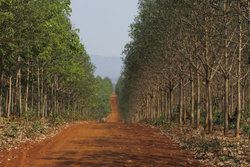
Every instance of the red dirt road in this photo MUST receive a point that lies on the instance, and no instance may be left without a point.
(111, 144)
(114, 115)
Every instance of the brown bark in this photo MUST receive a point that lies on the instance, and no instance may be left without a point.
(158, 104)
(15, 96)
(237, 132)
(52, 99)
(1, 93)
(166, 107)
(32, 88)
(45, 102)
(38, 92)
(41, 95)
(232, 100)
(12, 112)
(198, 101)
(163, 113)
(226, 75)
(183, 106)
(180, 102)
(248, 95)
(68, 102)
(19, 87)
(206, 67)
(148, 107)
(226, 104)
(55, 97)
(192, 98)
(27, 86)
(6, 102)
(172, 104)
(154, 106)
(243, 98)
(210, 109)
(10, 87)
(208, 95)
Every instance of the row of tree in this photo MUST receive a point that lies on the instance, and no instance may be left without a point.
(44, 69)
(102, 107)
(187, 59)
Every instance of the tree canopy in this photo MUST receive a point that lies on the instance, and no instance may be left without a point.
(44, 67)
(193, 46)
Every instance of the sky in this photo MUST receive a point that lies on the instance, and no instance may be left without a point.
(103, 24)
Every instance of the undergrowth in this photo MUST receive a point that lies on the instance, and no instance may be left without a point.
(211, 148)
(11, 130)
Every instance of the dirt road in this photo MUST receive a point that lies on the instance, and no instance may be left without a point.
(110, 144)
(114, 115)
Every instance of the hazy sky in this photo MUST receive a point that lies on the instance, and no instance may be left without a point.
(103, 24)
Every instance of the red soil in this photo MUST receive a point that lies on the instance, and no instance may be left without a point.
(110, 144)
(114, 115)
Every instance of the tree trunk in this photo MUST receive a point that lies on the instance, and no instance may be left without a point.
(45, 102)
(27, 86)
(172, 104)
(181, 102)
(210, 108)
(55, 94)
(57, 97)
(183, 105)
(147, 107)
(163, 113)
(153, 107)
(167, 108)
(1, 93)
(207, 68)
(32, 89)
(232, 101)
(198, 101)
(159, 105)
(9, 104)
(226, 106)
(15, 96)
(69, 102)
(243, 98)
(207, 105)
(237, 133)
(12, 112)
(41, 95)
(248, 95)
(192, 98)
(19, 87)
(38, 92)
(226, 75)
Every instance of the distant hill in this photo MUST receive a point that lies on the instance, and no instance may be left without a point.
(107, 66)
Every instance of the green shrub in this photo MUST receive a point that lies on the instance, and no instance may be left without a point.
(245, 128)
(36, 127)
(30, 116)
(218, 117)
(206, 145)
(29, 132)
(11, 130)
(3, 120)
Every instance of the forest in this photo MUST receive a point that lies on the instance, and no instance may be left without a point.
(44, 69)
(188, 62)
(182, 99)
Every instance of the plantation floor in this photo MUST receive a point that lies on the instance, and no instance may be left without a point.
(110, 144)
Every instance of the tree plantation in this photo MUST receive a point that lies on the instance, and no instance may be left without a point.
(188, 61)
(44, 69)
(182, 99)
